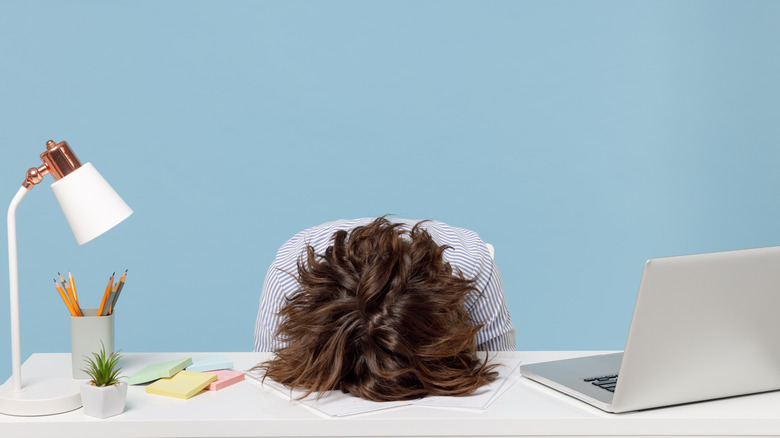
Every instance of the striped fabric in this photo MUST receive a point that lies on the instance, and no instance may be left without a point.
(468, 253)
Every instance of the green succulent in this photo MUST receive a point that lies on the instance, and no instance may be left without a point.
(104, 369)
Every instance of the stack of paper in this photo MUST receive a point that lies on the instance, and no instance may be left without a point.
(338, 404)
(183, 385)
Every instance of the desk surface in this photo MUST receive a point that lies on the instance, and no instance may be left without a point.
(247, 409)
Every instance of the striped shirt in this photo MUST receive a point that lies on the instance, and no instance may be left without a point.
(467, 253)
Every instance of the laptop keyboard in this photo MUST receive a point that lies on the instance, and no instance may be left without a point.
(605, 382)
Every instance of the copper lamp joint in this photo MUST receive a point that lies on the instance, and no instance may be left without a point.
(58, 160)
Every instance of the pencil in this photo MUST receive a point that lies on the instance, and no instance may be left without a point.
(62, 282)
(64, 298)
(70, 295)
(105, 295)
(119, 287)
(107, 309)
(64, 287)
(75, 295)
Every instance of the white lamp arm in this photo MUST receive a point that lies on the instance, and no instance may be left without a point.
(13, 278)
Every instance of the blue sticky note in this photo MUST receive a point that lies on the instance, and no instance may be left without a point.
(210, 363)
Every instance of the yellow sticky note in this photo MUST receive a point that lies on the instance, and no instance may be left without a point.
(183, 384)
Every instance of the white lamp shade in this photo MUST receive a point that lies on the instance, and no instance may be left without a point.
(89, 203)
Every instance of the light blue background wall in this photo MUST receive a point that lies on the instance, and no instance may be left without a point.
(580, 137)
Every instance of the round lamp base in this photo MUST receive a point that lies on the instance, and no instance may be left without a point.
(40, 396)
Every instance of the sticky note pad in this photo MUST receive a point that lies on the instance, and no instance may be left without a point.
(210, 363)
(183, 385)
(159, 371)
(225, 378)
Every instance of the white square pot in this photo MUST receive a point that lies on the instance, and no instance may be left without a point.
(103, 402)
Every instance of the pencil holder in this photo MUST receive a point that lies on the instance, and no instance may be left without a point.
(86, 334)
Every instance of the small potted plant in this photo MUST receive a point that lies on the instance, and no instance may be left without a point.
(104, 395)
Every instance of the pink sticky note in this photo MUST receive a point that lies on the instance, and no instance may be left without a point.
(225, 378)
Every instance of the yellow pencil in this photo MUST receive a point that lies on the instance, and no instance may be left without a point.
(64, 298)
(75, 295)
(105, 295)
(70, 295)
(63, 282)
(73, 288)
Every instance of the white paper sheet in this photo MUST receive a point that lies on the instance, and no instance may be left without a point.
(338, 404)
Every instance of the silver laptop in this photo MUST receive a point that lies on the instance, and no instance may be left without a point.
(705, 326)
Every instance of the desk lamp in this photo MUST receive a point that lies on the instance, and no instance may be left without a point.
(91, 208)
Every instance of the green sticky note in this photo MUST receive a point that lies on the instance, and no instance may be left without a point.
(159, 370)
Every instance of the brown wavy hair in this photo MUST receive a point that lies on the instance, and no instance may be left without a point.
(381, 316)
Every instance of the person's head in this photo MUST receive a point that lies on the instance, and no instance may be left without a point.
(379, 315)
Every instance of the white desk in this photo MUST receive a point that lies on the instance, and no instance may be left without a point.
(246, 409)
